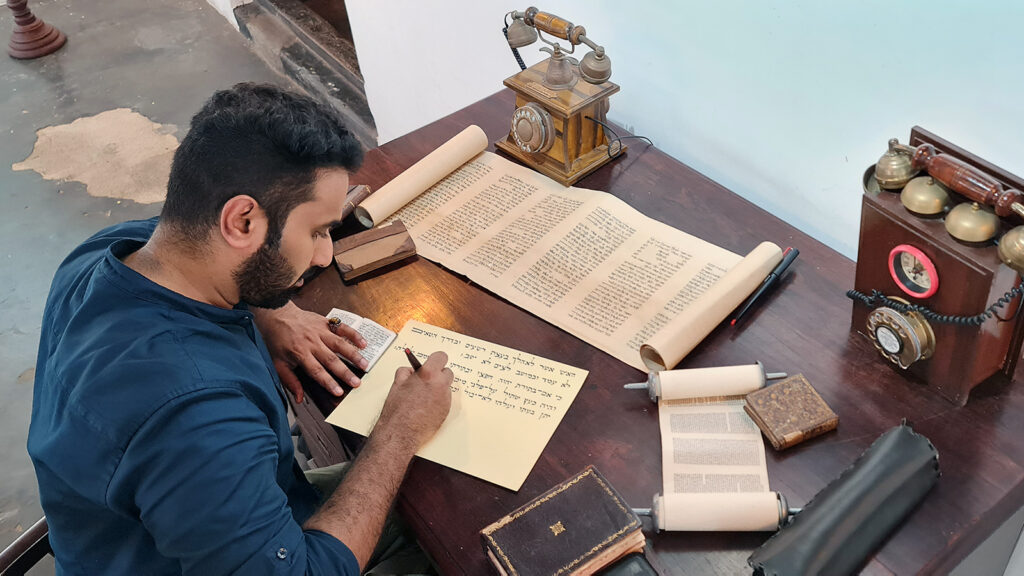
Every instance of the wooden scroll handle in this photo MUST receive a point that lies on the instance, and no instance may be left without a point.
(967, 180)
(356, 194)
(554, 25)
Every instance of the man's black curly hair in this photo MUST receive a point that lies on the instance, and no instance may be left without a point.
(259, 140)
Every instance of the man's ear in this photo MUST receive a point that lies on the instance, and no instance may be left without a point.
(243, 223)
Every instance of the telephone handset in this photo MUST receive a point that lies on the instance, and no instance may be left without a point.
(559, 125)
(525, 29)
(973, 222)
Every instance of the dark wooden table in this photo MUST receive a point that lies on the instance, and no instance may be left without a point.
(804, 326)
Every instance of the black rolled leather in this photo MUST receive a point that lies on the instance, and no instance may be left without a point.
(848, 519)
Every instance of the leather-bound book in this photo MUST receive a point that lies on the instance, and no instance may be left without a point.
(790, 412)
(578, 527)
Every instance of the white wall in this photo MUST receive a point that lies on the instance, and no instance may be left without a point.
(784, 102)
(227, 7)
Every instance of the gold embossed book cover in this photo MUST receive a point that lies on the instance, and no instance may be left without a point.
(578, 527)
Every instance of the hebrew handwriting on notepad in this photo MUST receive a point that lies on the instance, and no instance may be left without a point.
(505, 403)
(529, 399)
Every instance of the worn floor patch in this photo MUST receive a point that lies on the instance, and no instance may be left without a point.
(116, 154)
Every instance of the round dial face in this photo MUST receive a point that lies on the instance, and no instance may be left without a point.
(888, 340)
(913, 271)
(532, 128)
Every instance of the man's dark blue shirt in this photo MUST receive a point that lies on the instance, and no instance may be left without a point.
(159, 433)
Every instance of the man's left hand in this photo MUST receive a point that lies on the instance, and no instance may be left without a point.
(297, 338)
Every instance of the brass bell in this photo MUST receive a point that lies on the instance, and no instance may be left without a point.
(1011, 249)
(972, 223)
(561, 74)
(893, 169)
(925, 197)
(596, 67)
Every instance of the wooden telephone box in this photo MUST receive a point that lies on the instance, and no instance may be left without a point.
(957, 281)
(552, 130)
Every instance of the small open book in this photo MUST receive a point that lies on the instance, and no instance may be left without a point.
(378, 338)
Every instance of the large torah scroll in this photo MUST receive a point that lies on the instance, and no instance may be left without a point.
(581, 259)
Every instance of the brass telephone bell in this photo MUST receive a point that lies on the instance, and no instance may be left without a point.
(925, 197)
(596, 67)
(894, 169)
(970, 222)
(1011, 249)
(560, 74)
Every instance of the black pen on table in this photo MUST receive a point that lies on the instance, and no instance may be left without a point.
(773, 277)
(412, 360)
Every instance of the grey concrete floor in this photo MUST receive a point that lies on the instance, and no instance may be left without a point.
(160, 58)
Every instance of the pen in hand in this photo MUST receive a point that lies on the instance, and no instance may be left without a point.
(412, 360)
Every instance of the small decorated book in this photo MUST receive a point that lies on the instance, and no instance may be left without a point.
(790, 412)
(377, 337)
(578, 527)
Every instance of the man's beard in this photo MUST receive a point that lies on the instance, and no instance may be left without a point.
(265, 279)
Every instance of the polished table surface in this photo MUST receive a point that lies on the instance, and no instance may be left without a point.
(803, 327)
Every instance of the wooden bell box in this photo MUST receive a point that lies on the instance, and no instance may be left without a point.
(915, 262)
(552, 131)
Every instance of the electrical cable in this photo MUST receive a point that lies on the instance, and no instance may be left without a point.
(616, 142)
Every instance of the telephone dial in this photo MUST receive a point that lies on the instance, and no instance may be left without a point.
(938, 283)
(559, 125)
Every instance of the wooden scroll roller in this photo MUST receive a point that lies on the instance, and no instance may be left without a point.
(421, 176)
(710, 383)
(356, 194)
(733, 512)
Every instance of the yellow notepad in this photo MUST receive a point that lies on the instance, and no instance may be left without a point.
(506, 404)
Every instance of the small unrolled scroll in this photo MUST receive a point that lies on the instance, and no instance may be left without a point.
(670, 345)
(718, 512)
(421, 175)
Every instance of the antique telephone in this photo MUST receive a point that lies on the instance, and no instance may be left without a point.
(559, 124)
(940, 299)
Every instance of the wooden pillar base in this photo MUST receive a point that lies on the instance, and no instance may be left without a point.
(32, 37)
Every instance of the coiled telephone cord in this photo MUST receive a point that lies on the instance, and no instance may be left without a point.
(878, 299)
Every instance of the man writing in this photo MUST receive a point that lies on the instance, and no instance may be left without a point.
(159, 433)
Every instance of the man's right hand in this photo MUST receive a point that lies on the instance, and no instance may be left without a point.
(416, 407)
(419, 401)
